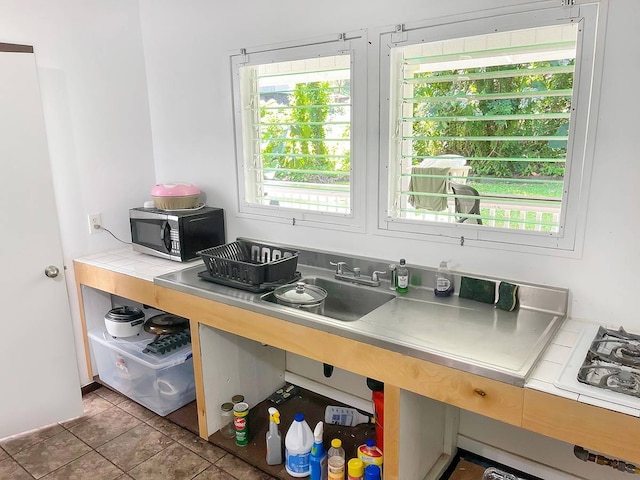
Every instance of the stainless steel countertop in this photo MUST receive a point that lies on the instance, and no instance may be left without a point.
(455, 332)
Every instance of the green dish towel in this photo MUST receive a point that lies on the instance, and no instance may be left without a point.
(429, 185)
(479, 290)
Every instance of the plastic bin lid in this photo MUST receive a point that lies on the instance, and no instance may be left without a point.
(132, 347)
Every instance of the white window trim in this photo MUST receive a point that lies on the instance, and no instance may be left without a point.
(354, 43)
(591, 16)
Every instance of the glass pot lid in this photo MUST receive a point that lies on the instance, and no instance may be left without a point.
(300, 294)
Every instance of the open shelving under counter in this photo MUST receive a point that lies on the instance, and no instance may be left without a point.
(240, 350)
(312, 405)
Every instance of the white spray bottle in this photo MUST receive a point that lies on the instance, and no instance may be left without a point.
(274, 440)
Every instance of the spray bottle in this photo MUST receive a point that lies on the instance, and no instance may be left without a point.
(318, 458)
(274, 440)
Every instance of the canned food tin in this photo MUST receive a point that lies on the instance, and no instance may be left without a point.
(241, 422)
(237, 399)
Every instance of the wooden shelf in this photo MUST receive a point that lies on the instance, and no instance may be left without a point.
(313, 407)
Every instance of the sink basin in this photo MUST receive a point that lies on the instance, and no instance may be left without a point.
(345, 301)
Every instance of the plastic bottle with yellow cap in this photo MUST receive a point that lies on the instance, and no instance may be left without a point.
(355, 469)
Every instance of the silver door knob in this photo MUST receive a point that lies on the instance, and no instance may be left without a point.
(51, 271)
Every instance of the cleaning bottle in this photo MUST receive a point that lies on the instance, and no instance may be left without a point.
(370, 454)
(318, 458)
(274, 440)
(444, 281)
(355, 469)
(336, 460)
(402, 277)
(346, 416)
(298, 443)
(372, 472)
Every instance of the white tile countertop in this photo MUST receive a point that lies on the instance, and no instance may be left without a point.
(553, 361)
(135, 264)
(542, 378)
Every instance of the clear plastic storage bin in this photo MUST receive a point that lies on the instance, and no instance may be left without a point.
(162, 383)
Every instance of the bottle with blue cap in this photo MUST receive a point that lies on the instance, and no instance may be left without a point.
(372, 472)
(298, 443)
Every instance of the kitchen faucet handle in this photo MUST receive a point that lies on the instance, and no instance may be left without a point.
(375, 276)
(340, 266)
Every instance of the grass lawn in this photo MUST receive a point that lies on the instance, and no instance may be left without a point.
(524, 189)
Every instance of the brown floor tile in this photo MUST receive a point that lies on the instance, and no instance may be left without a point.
(135, 446)
(174, 463)
(92, 404)
(9, 469)
(136, 410)
(214, 473)
(202, 447)
(105, 426)
(241, 470)
(26, 440)
(3, 455)
(110, 395)
(171, 430)
(91, 465)
(51, 454)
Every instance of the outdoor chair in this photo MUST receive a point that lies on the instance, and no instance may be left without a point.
(466, 205)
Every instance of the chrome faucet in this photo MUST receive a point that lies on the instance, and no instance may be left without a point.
(342, 269)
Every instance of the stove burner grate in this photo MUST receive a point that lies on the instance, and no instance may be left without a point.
(613, 362)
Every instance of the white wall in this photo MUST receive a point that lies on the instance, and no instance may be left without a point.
(92, 57)
(94, 92)
(187, 46)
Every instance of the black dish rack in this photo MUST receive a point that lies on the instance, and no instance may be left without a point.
(248, 265)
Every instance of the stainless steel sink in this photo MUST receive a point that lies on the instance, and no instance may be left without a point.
(345, 301)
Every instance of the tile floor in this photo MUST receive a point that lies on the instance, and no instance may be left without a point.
(118, 439)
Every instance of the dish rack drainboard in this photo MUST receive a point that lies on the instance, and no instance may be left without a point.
(250, 265)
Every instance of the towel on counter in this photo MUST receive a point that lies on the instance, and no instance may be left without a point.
(429, 185)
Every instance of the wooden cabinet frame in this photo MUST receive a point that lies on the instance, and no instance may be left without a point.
(539, 412)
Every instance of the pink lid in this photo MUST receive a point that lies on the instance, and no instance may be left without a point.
(174, 190)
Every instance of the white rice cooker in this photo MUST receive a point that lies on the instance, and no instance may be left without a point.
(124, 321)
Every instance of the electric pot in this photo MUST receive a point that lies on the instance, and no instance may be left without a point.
(300, 295)
(124, 321)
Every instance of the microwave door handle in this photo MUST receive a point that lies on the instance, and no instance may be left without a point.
(165, 235)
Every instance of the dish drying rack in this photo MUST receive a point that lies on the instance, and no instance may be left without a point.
(248, 265)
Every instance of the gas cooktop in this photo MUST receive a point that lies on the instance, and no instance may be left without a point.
(605, 365)
(613, 362)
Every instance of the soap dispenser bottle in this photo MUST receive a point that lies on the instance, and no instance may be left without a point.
(444, 281)
(402, 277)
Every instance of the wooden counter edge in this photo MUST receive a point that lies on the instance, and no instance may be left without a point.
(593, 428)
(479, 394)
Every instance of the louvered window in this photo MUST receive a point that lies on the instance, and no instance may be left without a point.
(295, 111)
(484, 130)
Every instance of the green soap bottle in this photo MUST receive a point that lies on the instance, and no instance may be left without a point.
(402, 277)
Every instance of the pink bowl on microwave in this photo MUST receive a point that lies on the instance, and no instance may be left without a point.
(173, 196)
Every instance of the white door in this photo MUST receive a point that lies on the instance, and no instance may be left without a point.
(38, 370)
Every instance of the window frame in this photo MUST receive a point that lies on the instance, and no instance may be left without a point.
(352, 43)
(582, 123)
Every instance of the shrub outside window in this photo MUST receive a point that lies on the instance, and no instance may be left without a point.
(486, 126)
(296, 111)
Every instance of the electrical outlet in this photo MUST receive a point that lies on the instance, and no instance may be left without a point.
(95, 222)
